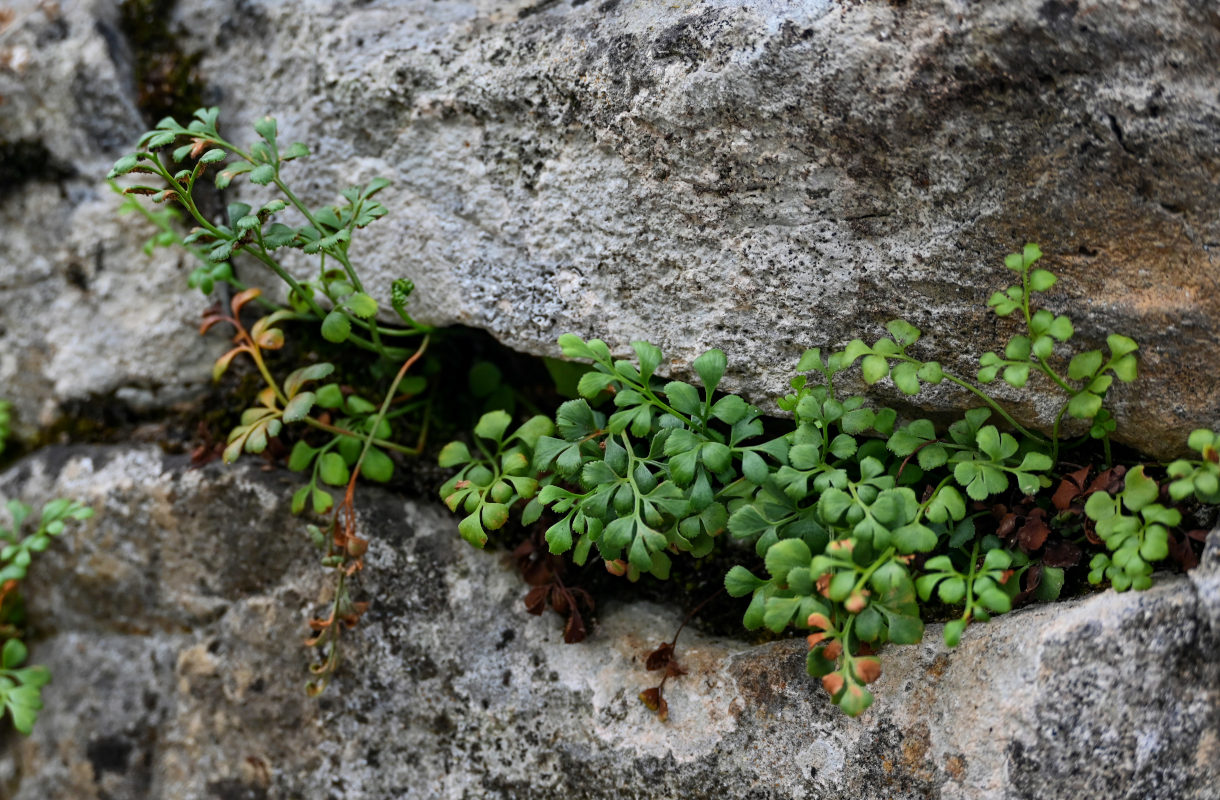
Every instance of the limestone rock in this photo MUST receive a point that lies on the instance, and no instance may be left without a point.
(86, 314)
(172, 623)
(767, 177)
(761, 177)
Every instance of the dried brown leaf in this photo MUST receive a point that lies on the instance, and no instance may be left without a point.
(535, 600)
(574, 630)
(1034, 532)
(659, 658)
(655, 702)
(1070, 488)
(559, 600)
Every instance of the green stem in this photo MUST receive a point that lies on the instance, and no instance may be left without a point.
(974, 558)
(385, 403)
(996, 407)
(338, 254)
(876, 565)
(846, 639)
(388, 445)
(646, 390)
(923, 507)
(1046, 370)
(1055, 435)
(407, 409)
(1025, 293)
(262, 255)
(656, 401)
(635, 488)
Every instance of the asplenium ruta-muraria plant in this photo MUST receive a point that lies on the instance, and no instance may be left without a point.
(21, 686)
(339, 432)
(859, 520)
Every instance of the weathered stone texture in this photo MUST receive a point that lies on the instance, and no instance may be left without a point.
(763, 176)
(171, 622)
(85, 313)
(771, 176)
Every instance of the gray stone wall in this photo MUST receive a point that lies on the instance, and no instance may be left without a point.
(759, 176)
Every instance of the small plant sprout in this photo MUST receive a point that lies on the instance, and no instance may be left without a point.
(337, 433)
(21, 686)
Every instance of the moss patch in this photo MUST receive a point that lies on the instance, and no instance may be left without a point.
(167, 78)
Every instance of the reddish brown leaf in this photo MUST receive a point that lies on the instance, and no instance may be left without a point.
(1034, 532)
(1007, 526)
(1070, 488)
(1199, 535)
(241, 298)
(535, 600)
(1033, 577)
(1110, 481)
(833, 683)
(659, 658)
(574, 630)
(674, 670)
(584, 598)
(654, 702)
(819, 620)
(210, 321)
(559, 600)
(538, 573)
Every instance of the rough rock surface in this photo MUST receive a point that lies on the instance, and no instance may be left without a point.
(86, 314)
(763, 176)
(171, 622)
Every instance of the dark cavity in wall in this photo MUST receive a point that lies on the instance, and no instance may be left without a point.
(167, 78)
(23, 161)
